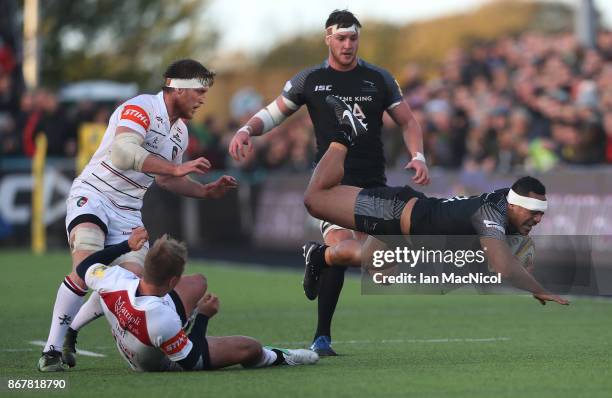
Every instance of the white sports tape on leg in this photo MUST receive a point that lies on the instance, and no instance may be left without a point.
(87, 238)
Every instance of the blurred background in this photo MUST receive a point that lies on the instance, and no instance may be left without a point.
(500, 88)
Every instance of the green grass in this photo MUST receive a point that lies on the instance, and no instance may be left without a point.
(549, 351)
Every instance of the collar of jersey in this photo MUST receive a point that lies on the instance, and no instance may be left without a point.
(162, 106)
(131, 290)
(326, 63)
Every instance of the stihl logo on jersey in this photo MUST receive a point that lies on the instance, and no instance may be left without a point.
(175, 344)
(493, 224)
(136, 114)
(323, 87)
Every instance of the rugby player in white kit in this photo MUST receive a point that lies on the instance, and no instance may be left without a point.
(144, 142)
(148, 315)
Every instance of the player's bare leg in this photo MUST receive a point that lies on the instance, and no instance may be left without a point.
(344, 248)
(233, 350)
(325, 199)
(191, 288)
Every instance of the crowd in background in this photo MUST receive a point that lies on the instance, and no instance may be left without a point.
(530, 102)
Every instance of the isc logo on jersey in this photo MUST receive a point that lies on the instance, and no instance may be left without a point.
(323, 87)
(136, 114)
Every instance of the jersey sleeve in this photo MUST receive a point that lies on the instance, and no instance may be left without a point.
(294, 88)
(170, 336)
(489, 222)
(100, 276)
(135, 114)
(394, 92)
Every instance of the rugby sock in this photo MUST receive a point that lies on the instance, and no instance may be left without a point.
(331, 282)
(318, 255)
(269, 357)
(67, 303)
(92, 309)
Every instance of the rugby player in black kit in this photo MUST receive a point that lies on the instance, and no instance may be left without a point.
(370, 91)
(405, 211)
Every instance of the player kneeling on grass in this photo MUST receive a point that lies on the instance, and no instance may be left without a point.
(404, 211)
(148, 316)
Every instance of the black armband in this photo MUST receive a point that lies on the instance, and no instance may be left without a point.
(104, 256)
(199, 351)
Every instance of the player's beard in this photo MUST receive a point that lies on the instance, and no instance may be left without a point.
(188, 112)
(343, 59)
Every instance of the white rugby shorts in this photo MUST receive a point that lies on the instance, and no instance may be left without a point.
(118, 222)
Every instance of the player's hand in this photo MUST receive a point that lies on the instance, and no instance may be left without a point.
(218, 188)
(544, 297)
(237, 148)
(208, 305)
(421, 172)
(198, 166)
(138, 238)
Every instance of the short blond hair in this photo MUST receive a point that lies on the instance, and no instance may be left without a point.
(165, 260)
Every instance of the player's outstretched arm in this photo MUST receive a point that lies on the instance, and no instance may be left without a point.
(262, 122)
(413, 137)
(502, 261)
(105, 256)
(159, 166)
(127, 153)
(185, 186)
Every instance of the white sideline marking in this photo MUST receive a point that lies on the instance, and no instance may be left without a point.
(80, 352)
(17, 349)
(405, 341)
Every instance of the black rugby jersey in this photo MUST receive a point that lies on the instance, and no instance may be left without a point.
(484, 215)
(369, 90)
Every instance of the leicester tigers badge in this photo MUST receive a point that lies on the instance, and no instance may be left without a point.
(81, 201)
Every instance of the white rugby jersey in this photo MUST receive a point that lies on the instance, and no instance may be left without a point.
(147, 115)
(147, 329)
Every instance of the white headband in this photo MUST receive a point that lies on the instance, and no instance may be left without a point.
(528, 203)
(188, 83)
(335, 29)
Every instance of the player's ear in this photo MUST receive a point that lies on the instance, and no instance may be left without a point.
(327, 40)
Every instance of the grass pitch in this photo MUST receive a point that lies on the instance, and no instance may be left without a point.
(422, 346)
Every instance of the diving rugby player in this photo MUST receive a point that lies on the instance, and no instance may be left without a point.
(405, 211)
